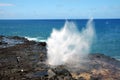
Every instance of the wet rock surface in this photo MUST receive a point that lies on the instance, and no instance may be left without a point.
(21, 59)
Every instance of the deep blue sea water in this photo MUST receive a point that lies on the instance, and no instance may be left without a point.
(107, 32)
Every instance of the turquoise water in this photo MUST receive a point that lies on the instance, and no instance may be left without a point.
(107, 32)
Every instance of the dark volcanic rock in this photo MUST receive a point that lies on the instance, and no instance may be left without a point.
(42, 43)
(0, 43)
(21, 59)
(19, 56)
(98, 67)
(10, 41)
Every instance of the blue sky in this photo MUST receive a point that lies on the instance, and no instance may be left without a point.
(59, 9)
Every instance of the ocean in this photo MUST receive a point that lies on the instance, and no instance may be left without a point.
(107, 32)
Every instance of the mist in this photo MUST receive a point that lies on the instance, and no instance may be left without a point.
(69, 45)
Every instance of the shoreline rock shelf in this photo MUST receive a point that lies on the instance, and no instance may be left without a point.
(21, 59)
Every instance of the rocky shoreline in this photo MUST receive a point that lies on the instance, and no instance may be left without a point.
(21, 59)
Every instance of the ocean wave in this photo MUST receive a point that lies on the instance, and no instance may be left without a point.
(117, 57)
(38, 39)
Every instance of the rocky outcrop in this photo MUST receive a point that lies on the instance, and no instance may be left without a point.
(21, 59)
(98, 67)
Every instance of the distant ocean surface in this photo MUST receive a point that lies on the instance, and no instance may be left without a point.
(107, 32)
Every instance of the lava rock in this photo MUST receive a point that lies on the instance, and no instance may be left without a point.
(42, 43)
(0, 43)
(27, 61)
(51, 73)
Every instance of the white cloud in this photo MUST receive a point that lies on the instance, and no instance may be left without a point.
(6, 4)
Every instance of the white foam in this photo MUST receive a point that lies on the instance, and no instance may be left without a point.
(38, 39)
(69, 45)
(117, 58)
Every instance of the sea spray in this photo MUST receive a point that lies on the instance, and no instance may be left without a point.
(69, 45)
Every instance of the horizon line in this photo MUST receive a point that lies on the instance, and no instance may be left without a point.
(55, 19)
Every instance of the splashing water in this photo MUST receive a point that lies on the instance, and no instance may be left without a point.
(69, 45)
